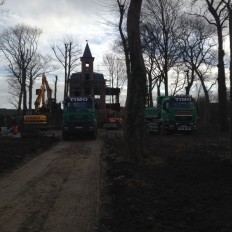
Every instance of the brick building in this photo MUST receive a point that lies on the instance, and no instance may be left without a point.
(88, 82)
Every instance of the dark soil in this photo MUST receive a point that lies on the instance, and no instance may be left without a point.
(16, 151)
(184, 184)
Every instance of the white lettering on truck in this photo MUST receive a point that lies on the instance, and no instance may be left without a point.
(77, 99)
(188, 99)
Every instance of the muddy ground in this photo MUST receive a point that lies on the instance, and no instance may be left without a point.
(184, 183)
(53, 187)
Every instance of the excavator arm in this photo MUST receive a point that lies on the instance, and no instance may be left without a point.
(41, 96)
(48, 89)
(39, 99)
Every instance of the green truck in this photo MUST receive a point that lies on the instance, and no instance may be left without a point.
(79, 117)
(172, 114)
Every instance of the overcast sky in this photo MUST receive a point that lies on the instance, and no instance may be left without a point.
(57, 18)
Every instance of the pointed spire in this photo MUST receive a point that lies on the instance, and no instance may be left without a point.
(87, 52)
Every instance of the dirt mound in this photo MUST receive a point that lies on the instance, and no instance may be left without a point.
(183, 184)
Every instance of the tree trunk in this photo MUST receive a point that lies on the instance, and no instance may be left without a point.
(207, 102)
(55, 88)
(158, 88)
(222, 96)
(166, 72)
(136, 94)
(69, 67)
(30, 93)
(65, 70)
(189, 82)
(124, 40)
(150, 98)
(24, 90)
(20, 101)
(230, 32)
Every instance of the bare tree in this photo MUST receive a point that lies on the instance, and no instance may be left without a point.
(163, 29)
(216, 14)
(19, 46)
(179, 80)
(117, 71)
(197, 47)
(122, 9)
(136, 76)
(154, 76)
(151, 56)
(151, 78)
(229, 9)
(14, 91)
(67, 54)
(55, 90)
(38, 65)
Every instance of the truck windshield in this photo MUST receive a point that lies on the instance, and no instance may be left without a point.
(182, 105)
(79, 106)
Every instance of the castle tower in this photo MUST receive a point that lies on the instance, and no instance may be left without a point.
(87, 82)
(87, 61)
(87, 70)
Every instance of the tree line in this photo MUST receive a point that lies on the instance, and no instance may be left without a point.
(183, 47)
(24, 63)
(166, 44)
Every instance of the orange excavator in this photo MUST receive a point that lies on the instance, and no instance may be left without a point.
(46, 104)
(36, 122)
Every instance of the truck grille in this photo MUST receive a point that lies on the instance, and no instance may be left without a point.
(183, 118)
(78, 118)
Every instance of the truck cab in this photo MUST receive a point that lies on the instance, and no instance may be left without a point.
(178, 113)
(79, 117)
(172, 114)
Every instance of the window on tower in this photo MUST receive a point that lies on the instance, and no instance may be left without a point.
(97, 96)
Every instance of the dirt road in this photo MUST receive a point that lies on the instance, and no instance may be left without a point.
(57, 191)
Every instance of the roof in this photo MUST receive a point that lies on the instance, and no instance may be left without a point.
(96, 76)
(87, 52)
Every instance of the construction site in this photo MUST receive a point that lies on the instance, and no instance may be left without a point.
(47, 113)
(85, 184)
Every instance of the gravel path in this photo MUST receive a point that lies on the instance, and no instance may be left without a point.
(56, 191)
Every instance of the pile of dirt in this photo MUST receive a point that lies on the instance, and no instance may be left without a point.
(183, 184)
(15, 151)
